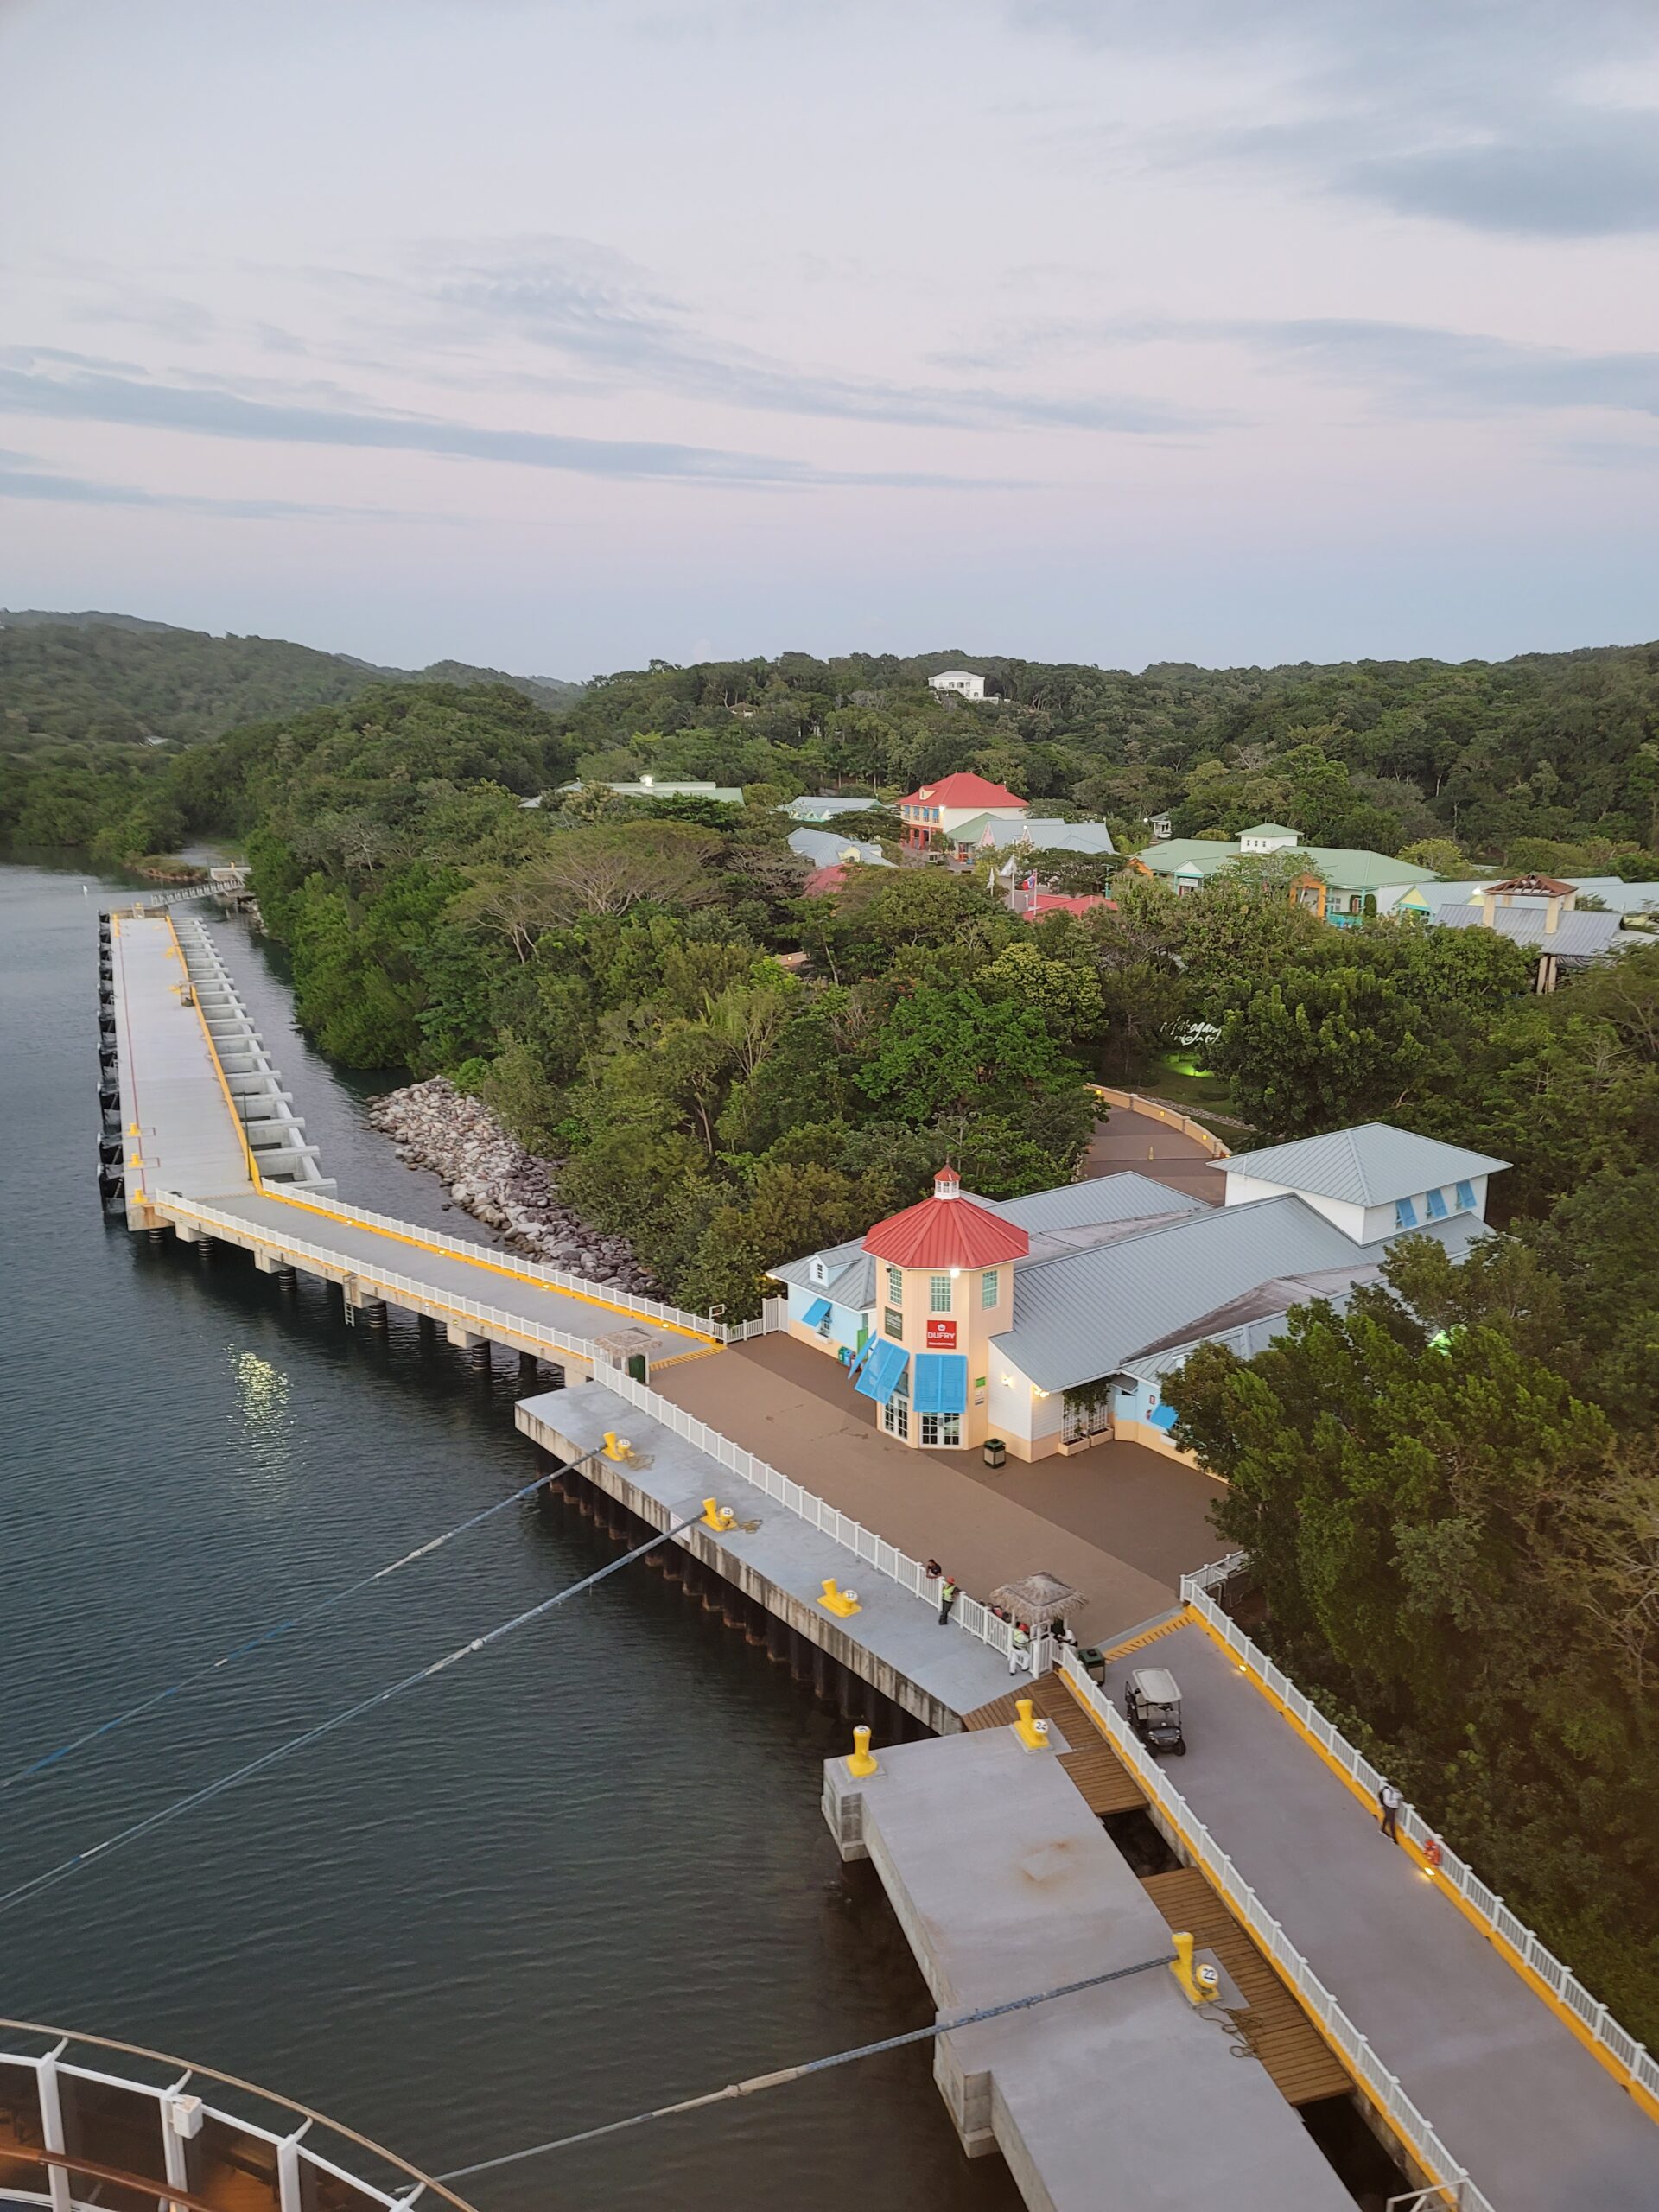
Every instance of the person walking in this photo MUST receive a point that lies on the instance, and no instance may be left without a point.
(1018, 1647)
(947, 1598)
(1391, 1801)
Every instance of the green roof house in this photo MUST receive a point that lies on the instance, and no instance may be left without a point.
(1337, 885)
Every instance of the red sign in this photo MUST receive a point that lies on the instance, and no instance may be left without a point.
(941, 1336)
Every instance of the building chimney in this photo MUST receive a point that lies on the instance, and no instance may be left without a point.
(1552, 916)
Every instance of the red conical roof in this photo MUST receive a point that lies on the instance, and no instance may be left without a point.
(946, 1230)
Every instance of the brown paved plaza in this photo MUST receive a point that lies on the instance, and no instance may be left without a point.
(1119, 1522)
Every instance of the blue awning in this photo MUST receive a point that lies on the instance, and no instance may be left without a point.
(882, 1370)
(1162, 1417)
(941, 1382)
(817, 1311)
(855, 1360)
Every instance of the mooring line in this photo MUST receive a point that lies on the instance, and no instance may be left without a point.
(270, 1635)
(152, 1821)
(787, 2074)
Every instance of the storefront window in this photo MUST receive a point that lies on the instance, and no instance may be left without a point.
(941, 1428)
(895, 1417)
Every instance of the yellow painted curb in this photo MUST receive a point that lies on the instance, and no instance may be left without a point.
(399, 1236)
(1505, 1950)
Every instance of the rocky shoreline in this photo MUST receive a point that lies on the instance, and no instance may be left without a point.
(493, 1178)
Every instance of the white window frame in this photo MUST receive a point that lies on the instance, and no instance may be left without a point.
(990, 1290)
(941, 1431)
(895, 1286)
(939, 1294)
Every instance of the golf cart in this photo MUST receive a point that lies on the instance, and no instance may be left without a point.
(1152, 1700)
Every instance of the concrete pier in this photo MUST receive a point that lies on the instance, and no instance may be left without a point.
(1128, 2094)
(894, 1641)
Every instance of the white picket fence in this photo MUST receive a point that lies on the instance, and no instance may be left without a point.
(1631, 2058)
(866, 1545)
(1383, 2089)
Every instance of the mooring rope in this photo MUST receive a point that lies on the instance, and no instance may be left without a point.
(270, 1635)
(152, 1821)
(787, 2074)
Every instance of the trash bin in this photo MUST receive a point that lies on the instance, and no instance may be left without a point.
(995, 1451)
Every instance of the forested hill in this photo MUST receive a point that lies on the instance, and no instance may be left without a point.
(1559, 746)
(116, 678)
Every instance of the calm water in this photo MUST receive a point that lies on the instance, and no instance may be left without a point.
(581, 1874)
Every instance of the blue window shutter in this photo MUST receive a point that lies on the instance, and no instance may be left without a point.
(1465, 1198)
(817, 1311)
(941, 1382)
(1405, 1214)
(1437, 1205)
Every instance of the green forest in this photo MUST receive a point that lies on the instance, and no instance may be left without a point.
(1451, 1491)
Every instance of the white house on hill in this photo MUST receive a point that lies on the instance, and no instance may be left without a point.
(961, 681)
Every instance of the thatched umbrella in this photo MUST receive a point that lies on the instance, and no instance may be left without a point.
(1039, 1600)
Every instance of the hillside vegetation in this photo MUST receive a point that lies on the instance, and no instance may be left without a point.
(117, 679)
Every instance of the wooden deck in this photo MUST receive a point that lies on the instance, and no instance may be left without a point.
(1280, 2034)
(1107, 1784)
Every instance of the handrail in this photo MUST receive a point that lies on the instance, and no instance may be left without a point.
(1384, 2088)
(1170, 1116)
(294, 2151)
(1628, 2060)
(557, 1279)
(404, 1290)
(873, 1550)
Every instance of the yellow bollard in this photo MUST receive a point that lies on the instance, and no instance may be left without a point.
(844, 1602)
(717, 1517)
(1034, 1734)
(617, 1447)
(1198, 1984)
(863, 1762)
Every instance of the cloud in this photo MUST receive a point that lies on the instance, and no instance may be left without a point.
(601, 313)
(22, 478)
(1481, 114)
(89, 394)
(1456, 372)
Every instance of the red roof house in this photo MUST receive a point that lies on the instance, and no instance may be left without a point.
(946, 1230)
(931, 812)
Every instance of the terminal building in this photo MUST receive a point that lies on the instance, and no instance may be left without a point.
(1050, 1322)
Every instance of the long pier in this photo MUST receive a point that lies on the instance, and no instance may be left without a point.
(1497, 2082)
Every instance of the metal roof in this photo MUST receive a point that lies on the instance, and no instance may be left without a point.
(947, 1231)
(1342, 869)
(1129, 1197)
(825, 848)
(1079, 1319)
(827, 806)
(1575, 936)
(1370, 1165)
(850, 1276)
(1248, 1324)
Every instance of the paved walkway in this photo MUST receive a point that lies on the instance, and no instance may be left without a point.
(795, 1409)
(186, 1139)
(188, 1143)
(1120, 2096)
(1540, 2124)
(1128, 1140)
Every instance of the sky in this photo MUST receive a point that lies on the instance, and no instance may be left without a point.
(560, 337)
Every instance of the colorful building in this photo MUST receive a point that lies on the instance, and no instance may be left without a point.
(1050, 1321)
(1340, 886)
(933, 812)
